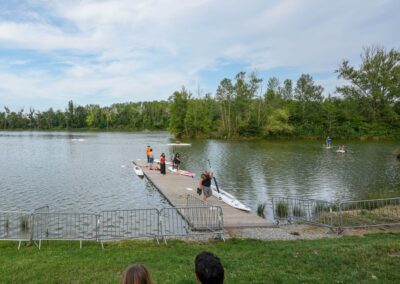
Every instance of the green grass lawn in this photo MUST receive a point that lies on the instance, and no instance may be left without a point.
(370, 259)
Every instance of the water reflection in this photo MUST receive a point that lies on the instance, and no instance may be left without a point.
(93, 171)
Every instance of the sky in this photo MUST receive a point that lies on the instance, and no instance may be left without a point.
(105, 52)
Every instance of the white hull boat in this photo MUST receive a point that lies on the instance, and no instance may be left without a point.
(138, 170)
(179, 144)
(228, 199)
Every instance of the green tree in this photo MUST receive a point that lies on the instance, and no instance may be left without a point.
(376, 83)
(177, 111)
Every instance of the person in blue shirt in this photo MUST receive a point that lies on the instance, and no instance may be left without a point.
(328, 142)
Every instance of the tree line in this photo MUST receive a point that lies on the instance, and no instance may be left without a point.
(367, 105)
(121, 116)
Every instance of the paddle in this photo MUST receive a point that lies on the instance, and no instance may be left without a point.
(215, 180)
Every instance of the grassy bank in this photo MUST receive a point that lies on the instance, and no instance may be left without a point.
(371, 259)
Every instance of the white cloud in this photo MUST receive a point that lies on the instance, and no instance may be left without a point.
(144, 50)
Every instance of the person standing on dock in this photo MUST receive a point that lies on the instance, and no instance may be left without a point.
(151, 159)
(177, 162)
(162, 164)
(206, 185)
(148, 153)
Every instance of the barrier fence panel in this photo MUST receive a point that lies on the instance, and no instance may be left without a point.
(64, 226)
(317, 212)
(193, 220)
(369, 213)
(15, 226)
(129, 224)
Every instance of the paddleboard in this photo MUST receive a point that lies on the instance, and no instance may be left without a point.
(138, 170)
(181, 172)
(228, 199)
(179, 144)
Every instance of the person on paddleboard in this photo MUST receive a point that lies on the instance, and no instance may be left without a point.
(328, 142)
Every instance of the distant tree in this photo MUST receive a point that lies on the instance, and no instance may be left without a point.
(177, 111)
(70, 114)
(375, 84)
(278, 123)
(287, 89)
(224, 96)
(307, 91)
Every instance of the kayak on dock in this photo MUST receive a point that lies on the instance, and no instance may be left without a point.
(228, 198)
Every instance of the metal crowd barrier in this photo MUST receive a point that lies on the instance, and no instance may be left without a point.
(15, 226)
(128, 224)
(346, 214)
(64, 226)
(191, 221)
(370, 213)
(312, 211)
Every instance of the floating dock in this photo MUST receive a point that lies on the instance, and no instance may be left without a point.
(175, 189)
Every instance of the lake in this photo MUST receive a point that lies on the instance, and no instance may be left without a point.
(91, 171)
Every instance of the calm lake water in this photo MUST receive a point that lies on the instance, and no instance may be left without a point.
(89, 172)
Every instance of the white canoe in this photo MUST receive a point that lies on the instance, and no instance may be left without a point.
(228, 198)
(138, 170)
(179, 144)
(341, 151)
(182, 172)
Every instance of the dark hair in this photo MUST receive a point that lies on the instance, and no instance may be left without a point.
(136, 274)
(208, 268)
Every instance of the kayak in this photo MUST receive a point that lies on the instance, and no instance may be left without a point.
(341, 151)
(181, 172)
(138, 170)
(228, 199)
(179, 144)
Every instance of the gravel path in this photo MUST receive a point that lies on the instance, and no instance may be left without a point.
(288, 232)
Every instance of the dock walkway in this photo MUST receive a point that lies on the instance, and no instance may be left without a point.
(175, 189)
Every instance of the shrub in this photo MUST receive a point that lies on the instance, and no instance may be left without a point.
(261, 209)
(281, 209)
(24, 223)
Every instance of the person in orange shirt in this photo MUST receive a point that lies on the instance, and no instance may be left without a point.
(148, 153)
(151, 159)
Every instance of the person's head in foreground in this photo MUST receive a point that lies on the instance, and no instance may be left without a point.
(136, 274)
(209, 269)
